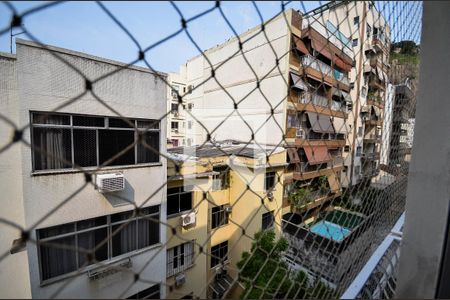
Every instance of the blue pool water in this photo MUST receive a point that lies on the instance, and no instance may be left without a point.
(330, 230)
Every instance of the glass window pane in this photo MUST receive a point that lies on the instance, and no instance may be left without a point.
(52, 148)
(148, 124)
(88, 121)
(88, 241)
(112, 142)
(148, 232)
(85, 147)
(186, 201)
(173, 206)
(90, 223)
(56, 261)
(124, 240)
(149, 142)
(54, 119)
(122, 216)
(56, 230)
(120, 123)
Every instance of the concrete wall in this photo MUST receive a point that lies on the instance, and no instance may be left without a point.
(232, 72)
(14, 279)
(44, 83)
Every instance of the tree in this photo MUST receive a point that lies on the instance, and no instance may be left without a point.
(300, 197)
(265, 275)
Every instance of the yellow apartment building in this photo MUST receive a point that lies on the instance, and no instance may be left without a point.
(218, 196)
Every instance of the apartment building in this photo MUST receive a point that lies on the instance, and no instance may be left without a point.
(367, 34)
(67, 213)
(213, 217)
(176, 117)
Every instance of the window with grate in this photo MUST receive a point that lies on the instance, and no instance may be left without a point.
(174, 125)
(219, 254)
(267, 220)
(358, 151)
(179, 258)
(174, 107)
(124, 232)
(63, 141)
(219, 216)
(179, 199)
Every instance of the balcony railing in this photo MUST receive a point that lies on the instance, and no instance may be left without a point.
(371, 155)
(331, 33)
(316, 64)
(308, 134)
(318, 100)
(372, 136)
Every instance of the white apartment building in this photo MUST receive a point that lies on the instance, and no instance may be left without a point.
(368, 34)
(47, 193)
(176, 112)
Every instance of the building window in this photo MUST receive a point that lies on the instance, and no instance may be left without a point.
(189, 124)
(189, 142)
(174, 107)
(360, 131)
(356, 21)
(347, 149)
(174, 125)
(174, 142)
(152, 292)
(358, 151)
(123, 232)
(179, 258)
(269, 181)
(368, 30)
(190, 106)
(62, 141)
(221, 181)
(219, 216)
(357, 170)
(355, 42)
(219, 254)
(179, 199)
(370, 6)
(267, 220)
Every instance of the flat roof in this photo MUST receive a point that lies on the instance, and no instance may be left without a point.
(86, 56)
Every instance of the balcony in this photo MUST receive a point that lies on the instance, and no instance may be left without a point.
(376, 82)
(308, 137)
(304, 171)
(319, 104)
(375, 100)
(378, 41)
(322, 72)
(372, 138)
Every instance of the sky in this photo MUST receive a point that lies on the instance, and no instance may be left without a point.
(85, 27)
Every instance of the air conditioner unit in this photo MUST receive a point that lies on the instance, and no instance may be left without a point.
(228, 209)
(180, 279)
(300, 133)
(270, 196)
(188, 219)
(110, 182)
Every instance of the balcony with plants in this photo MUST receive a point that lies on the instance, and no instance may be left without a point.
(309, 195)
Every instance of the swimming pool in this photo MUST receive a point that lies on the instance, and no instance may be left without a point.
(330, 230)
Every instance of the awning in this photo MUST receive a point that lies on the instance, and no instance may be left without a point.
(293, 155)
(298, 82)
(300, 45)
(380, 73)
(317, 154)
(320, 123)
(368, 68)
(341, 64)
(326, 47)
(341, 93)
(340, 126)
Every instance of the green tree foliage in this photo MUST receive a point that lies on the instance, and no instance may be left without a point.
(265, 275)
(300, 197)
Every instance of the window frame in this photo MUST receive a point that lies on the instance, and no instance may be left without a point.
(271, 224)
(355, 42)
(219, 210)
(275, 181)
(181, 191)
(219, 246)
(187, 263)
(110, 258)
(155, 123)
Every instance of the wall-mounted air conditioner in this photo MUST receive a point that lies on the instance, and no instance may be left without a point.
(110, 182)
(270, 196)
(180, 279)
(188, 219)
